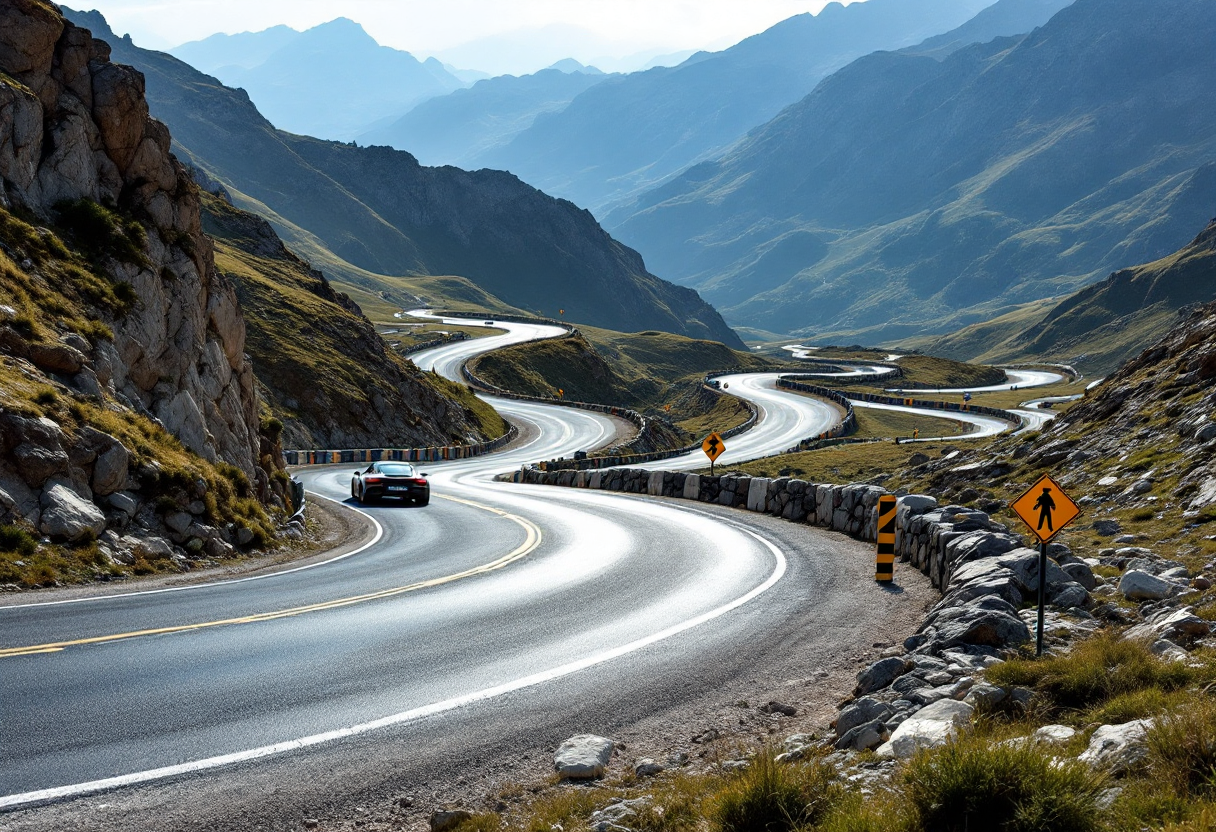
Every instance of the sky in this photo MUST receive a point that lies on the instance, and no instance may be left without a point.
(462, 31)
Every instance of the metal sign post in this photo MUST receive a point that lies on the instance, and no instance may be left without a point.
(1046, 509)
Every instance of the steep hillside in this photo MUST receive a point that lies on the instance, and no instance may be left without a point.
(323, 370)
(627, 134)
(332, 80)
(912, 195)
(1109, 322)
(380, 210)
(128, 411)
(457, 128)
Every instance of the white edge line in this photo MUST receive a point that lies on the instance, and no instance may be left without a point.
(79, 789)
(94, 598)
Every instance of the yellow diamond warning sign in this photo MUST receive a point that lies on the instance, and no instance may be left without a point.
(1046, 509)
(713, 446)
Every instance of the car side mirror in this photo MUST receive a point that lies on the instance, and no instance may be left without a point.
(357, 473)
(425, 474)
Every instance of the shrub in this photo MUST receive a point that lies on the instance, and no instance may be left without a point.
(972, 784)
(17, 540)
(100, 232)
(771, 797)
(1182, 748)
(1096, 671)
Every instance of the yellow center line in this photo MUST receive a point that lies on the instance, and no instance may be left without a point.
(529, 545)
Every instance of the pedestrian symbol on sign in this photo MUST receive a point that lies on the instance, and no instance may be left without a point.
(1046, 506)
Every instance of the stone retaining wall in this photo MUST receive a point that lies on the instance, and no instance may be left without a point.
(924, 532)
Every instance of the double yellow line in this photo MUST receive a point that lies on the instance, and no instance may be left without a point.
(529, 545)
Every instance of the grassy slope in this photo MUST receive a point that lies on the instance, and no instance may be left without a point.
(1102, 325)
(320, 362)
(648, 371)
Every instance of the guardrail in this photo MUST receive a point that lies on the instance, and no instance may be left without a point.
(437, 454)
(410, 349)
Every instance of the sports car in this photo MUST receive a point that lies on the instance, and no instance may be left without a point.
(390, 479)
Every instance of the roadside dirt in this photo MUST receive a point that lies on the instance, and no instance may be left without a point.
(333, 532)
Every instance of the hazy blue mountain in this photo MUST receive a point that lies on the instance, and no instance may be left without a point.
(908, 194)
(623, 136)
(247, 49)
(332, 81)
(381, 211)
(1004, 18)
(456, 128)
(571, 65)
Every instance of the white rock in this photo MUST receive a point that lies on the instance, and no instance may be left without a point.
(929, 727)
(1141, 586)
(68, 516)
(1054, 734)
(692, 486)
(1117, 748)
(583, 757)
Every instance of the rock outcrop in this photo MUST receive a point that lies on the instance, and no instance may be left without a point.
(120, 327)
(75, 126)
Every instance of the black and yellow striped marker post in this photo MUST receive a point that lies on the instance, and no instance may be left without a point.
(885, 572)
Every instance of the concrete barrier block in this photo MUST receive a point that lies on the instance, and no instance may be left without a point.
(757, 494)
(597, 477)
(654, 487)
(692, 487)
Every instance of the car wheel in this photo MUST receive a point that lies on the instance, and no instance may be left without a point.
(354, 495)
(422, 501)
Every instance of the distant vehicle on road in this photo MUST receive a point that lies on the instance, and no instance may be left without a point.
(489, 323)
(390, 479)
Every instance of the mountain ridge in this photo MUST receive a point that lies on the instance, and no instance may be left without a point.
(946, 189)
(392, 216)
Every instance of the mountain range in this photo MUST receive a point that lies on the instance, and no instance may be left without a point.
(625, 135)
(909, 194)
(458, 128)
(381, 211)
(333, 81)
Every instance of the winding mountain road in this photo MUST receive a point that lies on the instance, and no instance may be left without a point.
(493, 616)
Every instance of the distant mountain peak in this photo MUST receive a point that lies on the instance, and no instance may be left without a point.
(571, 66)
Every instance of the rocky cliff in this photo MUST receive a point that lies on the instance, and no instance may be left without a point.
(322, 369)
(124, 364)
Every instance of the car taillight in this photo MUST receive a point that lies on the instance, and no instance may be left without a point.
(418, 482)
(374, 480)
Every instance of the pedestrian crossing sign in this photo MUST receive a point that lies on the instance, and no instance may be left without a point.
(1046, 509)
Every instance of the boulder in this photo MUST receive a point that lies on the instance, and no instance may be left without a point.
(1080, 572)
(647, 767)
(1054, 734)
(983, 623)
(1118, 748)
(110, 470)
(67, 516)
(583, 757)
(178, 521)
(866, 709)
(1141, 586)
(1179, 625)
(880, 674)
(37, 463)
(57, 358)
(933, 725)
(863, 737)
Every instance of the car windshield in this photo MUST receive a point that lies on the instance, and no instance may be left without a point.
(396, 470)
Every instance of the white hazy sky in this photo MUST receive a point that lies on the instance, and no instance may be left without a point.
(426, 27)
